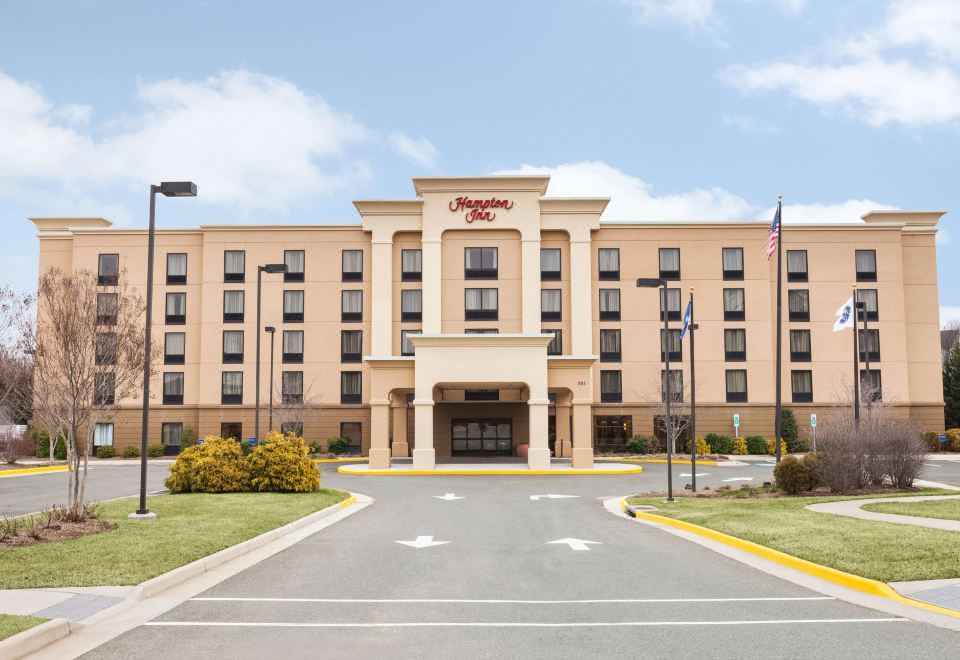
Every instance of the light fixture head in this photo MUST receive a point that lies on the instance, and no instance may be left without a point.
(270, 329)
(274, 268)
(649, 282)
(178, 189)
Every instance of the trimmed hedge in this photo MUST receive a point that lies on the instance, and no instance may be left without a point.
(155, 451)
(280, 465)
(131, 451)
(337, 445)
(106, 451)
(719, 444)
(703, 448)
(756, 444)
(638, 444)
(739, 446)
(792, 475)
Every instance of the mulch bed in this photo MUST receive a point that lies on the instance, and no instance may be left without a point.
(59, 531)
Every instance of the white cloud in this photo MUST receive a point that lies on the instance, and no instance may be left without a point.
(943, 237)
(746, 124)
(420, 151)
(695, 15)
(949, 315)
(848, 211)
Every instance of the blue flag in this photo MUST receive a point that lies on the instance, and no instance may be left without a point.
(686, 319)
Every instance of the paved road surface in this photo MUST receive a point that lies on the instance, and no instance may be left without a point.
(498, 588)
(945, 472)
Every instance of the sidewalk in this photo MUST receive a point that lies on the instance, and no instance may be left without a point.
(72, 603)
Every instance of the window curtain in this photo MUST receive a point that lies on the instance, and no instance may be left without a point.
(232, 382)
(673, 300)
(732, 258)
(293, 341)
(233, 341)
(473, 258)
(609, 341)
(669, 258)
(411, 300)
(796, 261)
(609, 300)
(293, 302)
(106, 347)
(294, 259)
(488, 297)
(176, 304)
(609, 259)
(673, 340)
(869, 341)
(109, 265)
(473, 298)
(733, 300)
(869, 299)
(735, 341)
(233, 302)
(412, 261)
(292, 383)
(866, 261)
(353, 261)
(104, 384)
(177, 264)
(550, 300)
(405, 345)
(175, 343)
(107, 304)
(102, 435)
(799, 341)
(737, 381)
(550, 260)
(350, 382)
(799, 301)
(610, 382)
(802, 382)
(233, 261)
(170, 434)
(350, 341)
(173, 384)
(352, 302)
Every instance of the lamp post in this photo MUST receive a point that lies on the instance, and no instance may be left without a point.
(652, 283)
(266, 268)
(272, 332)
(167, 189)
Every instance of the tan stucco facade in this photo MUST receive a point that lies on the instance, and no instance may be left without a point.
(421, 405)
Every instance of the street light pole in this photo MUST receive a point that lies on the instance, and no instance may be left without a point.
(167, 189)
(266, 268)
(272, 331)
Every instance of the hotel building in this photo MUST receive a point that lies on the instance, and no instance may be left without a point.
(482, 315)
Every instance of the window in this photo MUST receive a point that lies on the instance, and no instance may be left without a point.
(231, 430)
(736, 385)
(481, 395)
(105, 352)
(352, 265)
(871, 385)
(234, 265)
(798, 302)
(735, 345)
(406, 346)
(673, 304)
(350, 386)
(177, 268)
(481, 331)
(233, 346)
(555, 347)
(611, 386)
(103, 389)
(733, 305)
(796, 265)
(295, 261)
(102, 435)
(670, 263)
(411, 265)
(353, 433)
(174, 347)
(351, 345)
(173, 388)
(233, 306)
(176, 308)
(480, 304)
(676, 385)
(801, 384)
(291, 387)
(871, 309)
(411, 305)
(292, 346)
(550, 264)
(108, 269)
(480, 263)
(293, 306)
(351, 306)
(800, 346)
(609, 304)
(107, 308)
(610, 345)
(295, 428)
(231, 387)
(171, 433)
(609, 262)
(611, 432)
(733, 263)
(675, 348)
(494, 436)
(868, 342)
(866, 265)
(550, 305)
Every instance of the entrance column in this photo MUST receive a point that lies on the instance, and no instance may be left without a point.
(424, 455)
(379, 434)
(538, 453)
(582, 431)
(400, 447)
(562, 442)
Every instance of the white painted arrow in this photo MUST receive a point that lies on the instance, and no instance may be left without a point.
(422, 542)
(551, 497)
(575, 544)
(449, 497)
(699, 474)
(738, 479)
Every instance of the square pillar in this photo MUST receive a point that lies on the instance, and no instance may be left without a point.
(538, 453)
(379, 434)
(381, 291)
(581, 297)
(582, 436)
(400, 446)
(424, 455)
(530, 285)
(562, 443)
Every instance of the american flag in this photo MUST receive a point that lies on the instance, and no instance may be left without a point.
(774, 233)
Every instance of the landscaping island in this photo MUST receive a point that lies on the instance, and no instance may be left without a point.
(11, 624)
(945, 509)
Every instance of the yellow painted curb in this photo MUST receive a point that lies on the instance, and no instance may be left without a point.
(848, 580)
(38, 470)
(651, 460)
(358, 459)
(347, 502)
(345, 469)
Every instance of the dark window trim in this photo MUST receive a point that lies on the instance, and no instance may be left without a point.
(411, 316)
(480, 273)
(293, 277)
(231, 399)
(551, 316)
(173, 399)
(292, 358)
(800, 356)
(611, 397)
(174, 319)
(233, 317)
(733, 316)
(736, 397)
(802, 397)
(610, 356)
(351, 276)
(234, 277)
(673, 315)
(350, 358)
(735, 356)
(734, 275)
(173, 359)
(669, 274)
(549, 275)
(610, 315)
(609, 275)
(293, 317)
(350, 398)
(481, 395)
(176, 279)
(800, 317)
(108, 280)
(411, 277)
(233, 358)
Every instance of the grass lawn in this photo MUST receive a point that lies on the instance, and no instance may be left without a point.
(11, 624)
(883, 551)
(187, 527)
(946, 509)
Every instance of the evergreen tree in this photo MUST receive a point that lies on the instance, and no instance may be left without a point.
(951, 388)
(788, 430)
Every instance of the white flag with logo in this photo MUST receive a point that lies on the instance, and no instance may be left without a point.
(844, 316)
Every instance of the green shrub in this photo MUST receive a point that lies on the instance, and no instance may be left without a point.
(703, 447)
(933, 441)
(953, 439)
(638, 444)
(131, 451)
(316, 448)
(814, 469)
(60, 449)
(739, 447)
(337, 445)
(106, 451)
(756, 444)
(155, 451)
(41, 440)
(245, 448)
(216, 466)
(719, 444)
(792, 475)
(789, 432)
(188, 437)
(280, 465)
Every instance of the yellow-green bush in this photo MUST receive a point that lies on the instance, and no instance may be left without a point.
(772, 446)
(953, 439)
(739, 447)
(216, 466)
(280, 465)
(703, 448)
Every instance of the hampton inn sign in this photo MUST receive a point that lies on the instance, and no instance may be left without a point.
(479, 209)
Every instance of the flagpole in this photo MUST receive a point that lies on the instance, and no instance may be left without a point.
(693, 396)
(856, 363)
(777, 411)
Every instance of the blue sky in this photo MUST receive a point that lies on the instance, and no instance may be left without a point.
(285, 112)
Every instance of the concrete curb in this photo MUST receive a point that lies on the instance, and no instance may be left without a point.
(358, 459)
(35, 470)
(652, 460)
(875, 591)
(34, 639)
(344, 469)
(854, 509)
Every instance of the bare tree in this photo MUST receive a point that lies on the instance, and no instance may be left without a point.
(679, 408)
(89, 355)
(291, 410)
(16, 360)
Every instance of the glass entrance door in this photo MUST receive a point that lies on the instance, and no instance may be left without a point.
(482, 436)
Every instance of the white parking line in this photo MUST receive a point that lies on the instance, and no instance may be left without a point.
(509, 624)
(504, 601)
